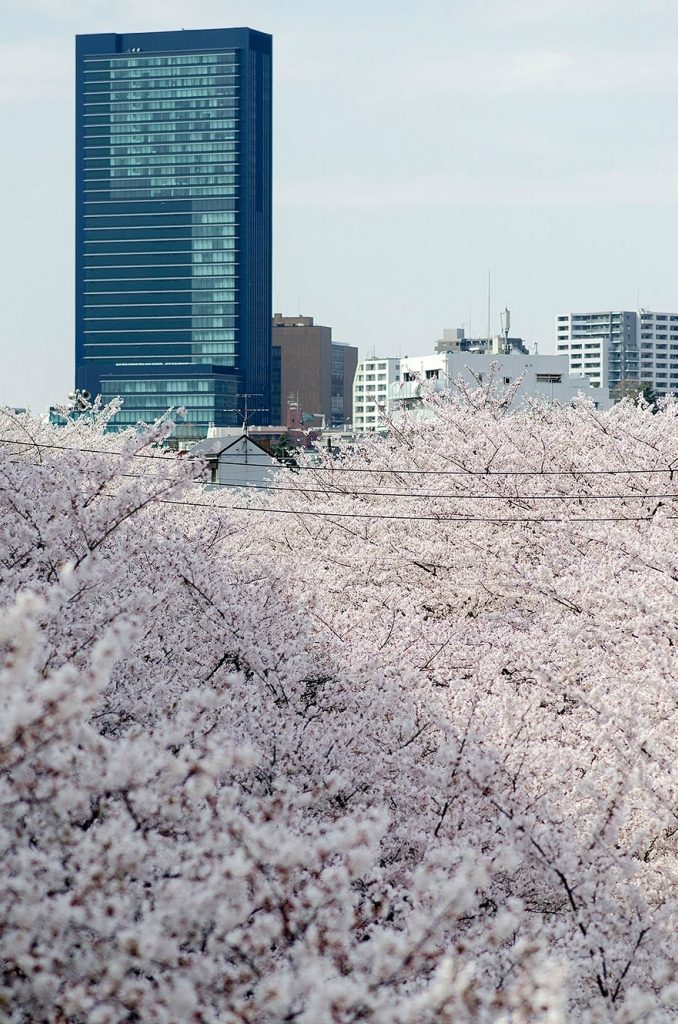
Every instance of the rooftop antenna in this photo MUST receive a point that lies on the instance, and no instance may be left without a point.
(506, 327)
(246, 413)
(489, 316)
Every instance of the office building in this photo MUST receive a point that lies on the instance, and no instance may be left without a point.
(315, 372)
(373, 379)
(622, 345)
(344, 365)
(173, 223)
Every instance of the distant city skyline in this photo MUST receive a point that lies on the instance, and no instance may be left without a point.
(416, 149)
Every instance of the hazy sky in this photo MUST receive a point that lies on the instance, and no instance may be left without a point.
(417, 146)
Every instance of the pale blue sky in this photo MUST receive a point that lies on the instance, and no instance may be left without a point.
(417, 146)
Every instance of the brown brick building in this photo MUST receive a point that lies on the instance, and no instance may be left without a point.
(314, 371)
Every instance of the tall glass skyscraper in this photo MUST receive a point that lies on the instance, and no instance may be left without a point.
(173, 223)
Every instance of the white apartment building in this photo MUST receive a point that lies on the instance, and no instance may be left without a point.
(371, 383)
(543, 377)
(659, 350)
(609, 347)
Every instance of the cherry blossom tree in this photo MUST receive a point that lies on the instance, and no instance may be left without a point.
(391, 741)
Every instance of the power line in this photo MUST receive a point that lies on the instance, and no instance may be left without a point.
(461, 472)
(445, 497)
(672, 495)
(89, 451)
(434, 519)
(360, 469)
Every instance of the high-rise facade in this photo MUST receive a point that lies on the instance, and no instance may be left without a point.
(344, 365)
(173, 223)
(622, 345)
(315, 372)
(305, 364)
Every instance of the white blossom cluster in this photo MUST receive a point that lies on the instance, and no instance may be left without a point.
(395, 744)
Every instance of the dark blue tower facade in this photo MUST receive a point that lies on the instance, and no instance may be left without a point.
(173, 223)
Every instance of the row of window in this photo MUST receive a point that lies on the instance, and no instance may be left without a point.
(118, 127)
(137, 143)
(140, 78)
(105, 340)
(164, 194)
(130, 418)
(101, 91)
(152, 179)
(105, 322)
(197, 277)
(197, 117)
(169, 60)
(184, 274)
(129, 257)
(135, 77)
(119, 111)
(170, 387)
(179, 223)
(168, 146)
(199, 301)
(172, 128)
(202, 238)
(223, 153)
(146, 402)
(140, 99)
(221, 162)
(167, 245)
(186, 291)
(113, 207)
(141, 213)
(192, 308)
(144, 189)
(176, 262)
(176, 163)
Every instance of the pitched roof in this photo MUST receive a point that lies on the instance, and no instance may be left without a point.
(214, 446)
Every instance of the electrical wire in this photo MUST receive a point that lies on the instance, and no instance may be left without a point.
(672, 495)
(464, 472)
(89, 451)
(361, 469)
(435, 519)
(445, 497)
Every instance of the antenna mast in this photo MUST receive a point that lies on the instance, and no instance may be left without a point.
(505, 328)
(246, 412)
